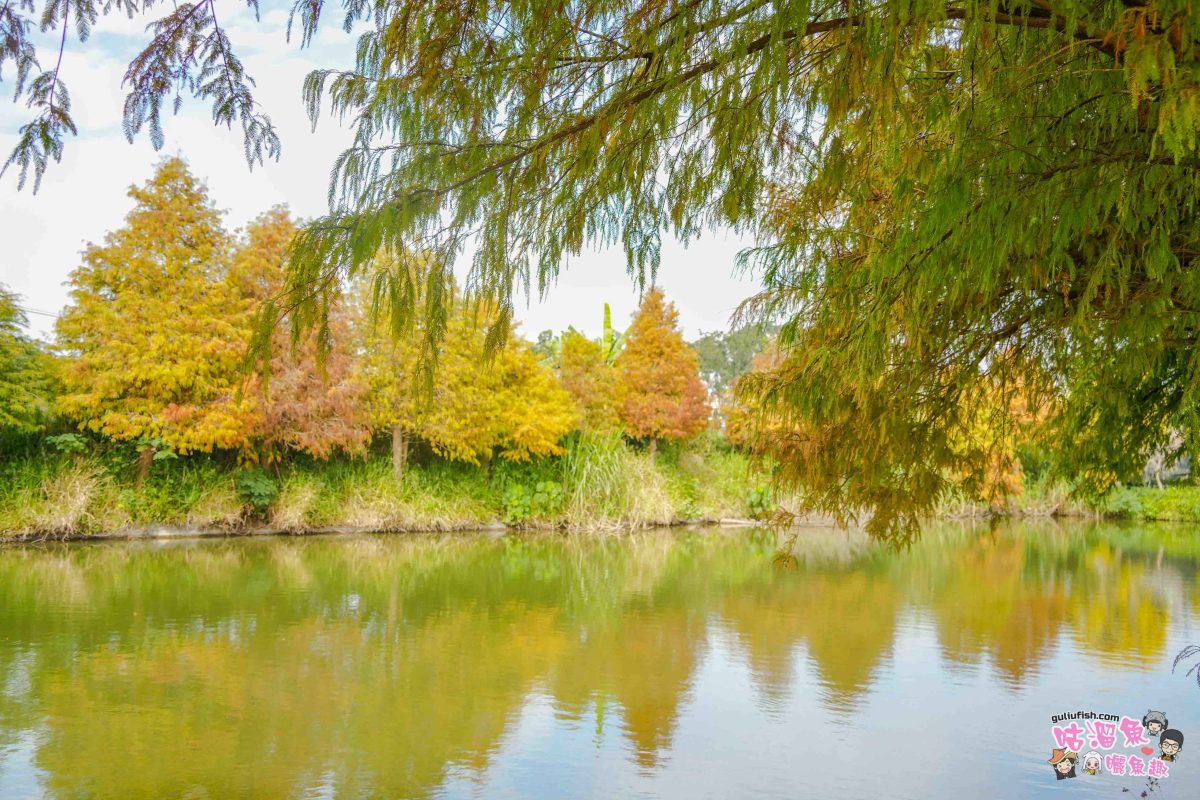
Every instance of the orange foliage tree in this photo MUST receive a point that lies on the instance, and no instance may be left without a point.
(663, 396)
(153, 339)
(308, 404)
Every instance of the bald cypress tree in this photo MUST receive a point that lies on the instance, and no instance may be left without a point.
(662, 396)
(154, 335)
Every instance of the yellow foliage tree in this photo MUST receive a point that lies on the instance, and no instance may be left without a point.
(995, 419)
(591, 380)
(152, 339)
(389, 356)
(478, 408)
(745, 418)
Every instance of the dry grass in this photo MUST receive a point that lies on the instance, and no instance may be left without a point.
(648, 495)
(218, 507)
(294, 508)
(610, 487)
(66, 500)
(69, 498)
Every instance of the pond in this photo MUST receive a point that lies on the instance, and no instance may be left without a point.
(664, 664)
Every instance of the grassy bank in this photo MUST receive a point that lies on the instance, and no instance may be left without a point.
(1040, 498)
(1173, 503)
(598, 483)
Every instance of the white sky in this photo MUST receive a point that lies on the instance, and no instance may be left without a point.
(85, 196)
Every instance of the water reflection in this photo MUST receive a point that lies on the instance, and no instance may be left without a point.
(445, 666)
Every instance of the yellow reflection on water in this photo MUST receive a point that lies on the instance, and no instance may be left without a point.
(378, 666)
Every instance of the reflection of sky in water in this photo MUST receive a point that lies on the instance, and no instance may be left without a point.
(903, 739)
(662, 666)
(19, 775)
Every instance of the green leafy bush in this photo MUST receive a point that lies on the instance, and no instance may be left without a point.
(522, 503)
(256, 488)
(1123, 503)
(760, 502)
(67, 443)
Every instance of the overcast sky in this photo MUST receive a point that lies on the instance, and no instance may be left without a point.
(85, 195)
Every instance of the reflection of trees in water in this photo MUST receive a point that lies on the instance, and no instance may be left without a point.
(389, 710)
(380, 664)
(844, 620)
(983, 602)
(1119, 609)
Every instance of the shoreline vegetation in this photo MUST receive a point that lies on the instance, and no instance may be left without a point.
(967, 269)
(235, 418)
(600, 484)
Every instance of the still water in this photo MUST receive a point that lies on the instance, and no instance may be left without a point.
(666, 664)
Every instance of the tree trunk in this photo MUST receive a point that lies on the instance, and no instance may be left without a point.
(653, 447)
(145, 459)
(399, 452)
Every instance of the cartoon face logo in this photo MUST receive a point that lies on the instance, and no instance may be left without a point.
(1091, 763)
(1155, 722)
(1063, 762)
(1171, 743)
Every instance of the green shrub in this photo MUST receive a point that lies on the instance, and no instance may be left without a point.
(760, 502)
(1172, 503)
(522, 504)
(67, 443)
(256, 488)
(1123, 503)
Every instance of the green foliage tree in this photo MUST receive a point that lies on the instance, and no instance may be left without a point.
(24, 371)
(726, 355)
(548, 348)
(188, 51)
(952, 195)
(154, 335)
(662, 395)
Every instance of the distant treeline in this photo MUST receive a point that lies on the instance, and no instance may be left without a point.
(155, 350)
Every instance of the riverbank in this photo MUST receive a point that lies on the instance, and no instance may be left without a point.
(1172, 503)
(597, 484)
